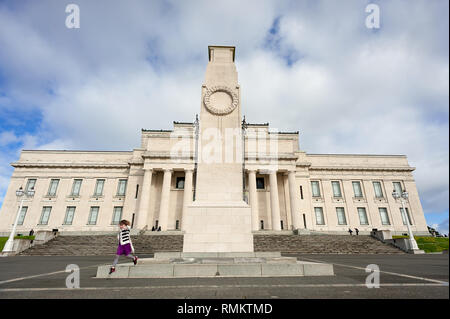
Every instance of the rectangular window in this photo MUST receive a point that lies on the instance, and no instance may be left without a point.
(315, 189)
(404, 218)
(30, 184)
(301, 192)
(76, 187)
(177, 224)
(99, 187)
(70, 212)
(45, 216)
(363, 216)
(23, 212)
(398, 187)
(137, 191)
(384, 216)
(378, 190)
(93, 214)
(117, 215)
(319, 216)
(341, 216)
(53, 187)
(357, 191)
(180, 183)
(260, 183)
(336, 189)
(121, 187)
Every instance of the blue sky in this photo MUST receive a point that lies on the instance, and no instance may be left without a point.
(310, 66)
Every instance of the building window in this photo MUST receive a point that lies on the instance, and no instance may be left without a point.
(301, 192)
(363, 216)
(93, 214)
(156, 224)
(122, 187)
(99, 187)
(70, 212)
(384, 216)
(262, 224)
(378, 190)
(30, 184)
(23, 212)
(137, 191)
(260, 183)
(319, 216)
(177, 224)
(45, 215)
(281, 223)
(53, 187)
(315, 188)
(357, 190)
(336, 189)
(76, 187)
(180, 183)
(341, 216)
(403, 216)
(117, 215)
(398, 187)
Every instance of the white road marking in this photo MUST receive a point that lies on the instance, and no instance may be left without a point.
(225, 286)
(41, 275)
(384, 272)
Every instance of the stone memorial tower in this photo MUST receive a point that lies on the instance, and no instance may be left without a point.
(219, 220)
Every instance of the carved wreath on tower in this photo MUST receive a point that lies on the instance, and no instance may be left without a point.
(220, 107)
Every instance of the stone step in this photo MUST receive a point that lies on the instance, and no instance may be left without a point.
(157, 268)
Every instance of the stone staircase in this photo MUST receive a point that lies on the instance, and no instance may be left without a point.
(148, 244)
(99, 245)
(323, 244)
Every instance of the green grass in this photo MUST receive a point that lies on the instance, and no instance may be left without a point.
(3, 240)
(429, 244)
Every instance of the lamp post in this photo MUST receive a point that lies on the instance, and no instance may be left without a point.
(403, 197)
(20, 193)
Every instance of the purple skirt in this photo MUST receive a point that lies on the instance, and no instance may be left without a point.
(124, 250)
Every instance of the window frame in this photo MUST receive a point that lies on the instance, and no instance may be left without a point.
(41, 219)
(258, 180)
(96, 216)
(360, 189)
(322, 216)
(121, 180)
(49, 194)
(338, 183)
(407, 215)
(375, 189)
(67, 214)
(342, 209)
(27, 187)
(318, 188)
(359, 216)
(387, 215)
(21, 219)
(75, 180)
(96, 187)
(113, 221)
(178, 179)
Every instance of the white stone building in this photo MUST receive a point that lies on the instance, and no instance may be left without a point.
(155, 184)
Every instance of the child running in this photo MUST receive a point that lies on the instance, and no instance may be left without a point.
(125, 246)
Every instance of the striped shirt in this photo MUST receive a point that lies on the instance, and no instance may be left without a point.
(124, 236)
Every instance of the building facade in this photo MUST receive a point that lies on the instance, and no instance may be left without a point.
(154, 185)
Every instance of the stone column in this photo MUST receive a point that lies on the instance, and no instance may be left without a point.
(165, 198)
(274, 202)
(144, 204)
(253, 199)
(295, 211)
(187, 197)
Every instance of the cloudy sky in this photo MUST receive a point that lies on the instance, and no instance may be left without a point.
(311, 66)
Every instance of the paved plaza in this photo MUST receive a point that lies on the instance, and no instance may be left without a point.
(401, 276)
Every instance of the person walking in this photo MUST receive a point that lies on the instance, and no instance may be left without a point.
(350, 231)
(125, 245)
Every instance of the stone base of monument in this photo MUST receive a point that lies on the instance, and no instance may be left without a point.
(208, 264)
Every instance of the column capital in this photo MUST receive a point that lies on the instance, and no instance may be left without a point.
(189, 170)
(168, 170)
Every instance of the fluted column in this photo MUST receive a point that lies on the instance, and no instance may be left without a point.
(165, 198)
(253, 199)
(274, 202)
(293, 196)
(144, 203)
(187, 197)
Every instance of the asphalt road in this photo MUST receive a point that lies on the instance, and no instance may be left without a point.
(401, 276)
